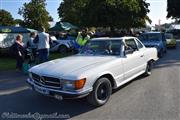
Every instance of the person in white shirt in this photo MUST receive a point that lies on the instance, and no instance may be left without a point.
(43, 44)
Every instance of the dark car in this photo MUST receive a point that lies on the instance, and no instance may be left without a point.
(155, 39)
(175, 32)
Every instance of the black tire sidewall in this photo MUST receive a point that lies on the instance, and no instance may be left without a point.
(94, 98)
(149, 65)
(62, 47)
(160, 53)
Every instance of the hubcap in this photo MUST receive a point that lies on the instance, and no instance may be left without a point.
(102, 92)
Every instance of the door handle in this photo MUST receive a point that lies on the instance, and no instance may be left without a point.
(142, 56)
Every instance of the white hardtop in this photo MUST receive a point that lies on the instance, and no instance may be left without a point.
(113, 38)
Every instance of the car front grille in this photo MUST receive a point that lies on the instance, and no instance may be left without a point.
(46, 81)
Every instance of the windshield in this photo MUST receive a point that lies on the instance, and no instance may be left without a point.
(102, 47)
(151, 37)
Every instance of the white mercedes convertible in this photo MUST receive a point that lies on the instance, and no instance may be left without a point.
(102, 65)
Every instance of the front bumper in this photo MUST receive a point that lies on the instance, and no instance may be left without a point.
(171, 44)
(57, 93)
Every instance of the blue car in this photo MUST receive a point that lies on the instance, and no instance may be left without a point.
(155, 39)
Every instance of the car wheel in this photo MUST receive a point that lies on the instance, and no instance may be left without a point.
(101, 92)
(165, 51)
(62, 49)
(160, 54)
(148, 68)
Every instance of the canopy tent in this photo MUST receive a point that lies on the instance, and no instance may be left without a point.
(12, 29)
(8, 35)
(60, 26)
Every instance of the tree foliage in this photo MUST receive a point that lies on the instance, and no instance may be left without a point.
(173, 9)
(19, 22)
(6, 18)
(105, 13)
(35, 14)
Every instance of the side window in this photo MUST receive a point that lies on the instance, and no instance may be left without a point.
(131, 43)
(139, 45)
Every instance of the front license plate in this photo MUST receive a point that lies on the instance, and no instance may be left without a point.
(41, 90)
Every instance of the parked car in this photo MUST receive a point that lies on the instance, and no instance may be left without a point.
(175, 32)
(61, 45)
(155, 39)
(102, 65)
(170, 40)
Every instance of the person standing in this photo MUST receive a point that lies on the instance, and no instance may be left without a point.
(82, 39)
(43, 44)
(32, 46)
(30, 43)
(19, 52)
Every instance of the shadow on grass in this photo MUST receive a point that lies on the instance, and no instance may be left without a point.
(9, 63)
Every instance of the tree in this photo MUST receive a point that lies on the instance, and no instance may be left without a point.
(35, 14)
(173, 9)
(6, 18)
(105, 13)
(19, 22)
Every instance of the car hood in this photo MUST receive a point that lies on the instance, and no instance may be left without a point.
(68, 65)
(170, 40)
(151, 43)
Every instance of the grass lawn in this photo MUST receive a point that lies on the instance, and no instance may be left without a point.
(7, 63)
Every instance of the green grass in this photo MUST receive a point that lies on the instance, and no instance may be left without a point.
(7, 63)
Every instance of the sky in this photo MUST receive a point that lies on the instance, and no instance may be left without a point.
(157, 9)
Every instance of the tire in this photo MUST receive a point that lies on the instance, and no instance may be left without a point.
(62, 49)
(165, 51)
(160, 54)
(101, 93)
(148, 68)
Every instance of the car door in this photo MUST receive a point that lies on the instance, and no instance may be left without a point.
(142, 53)
(132, 62)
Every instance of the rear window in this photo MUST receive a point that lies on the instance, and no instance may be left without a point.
(169, 36)
(152, 37)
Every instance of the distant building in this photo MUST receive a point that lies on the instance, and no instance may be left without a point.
(175, 26)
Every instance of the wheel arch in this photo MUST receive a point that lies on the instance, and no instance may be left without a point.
(63, 45)
(151, 60)
(110, 77)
